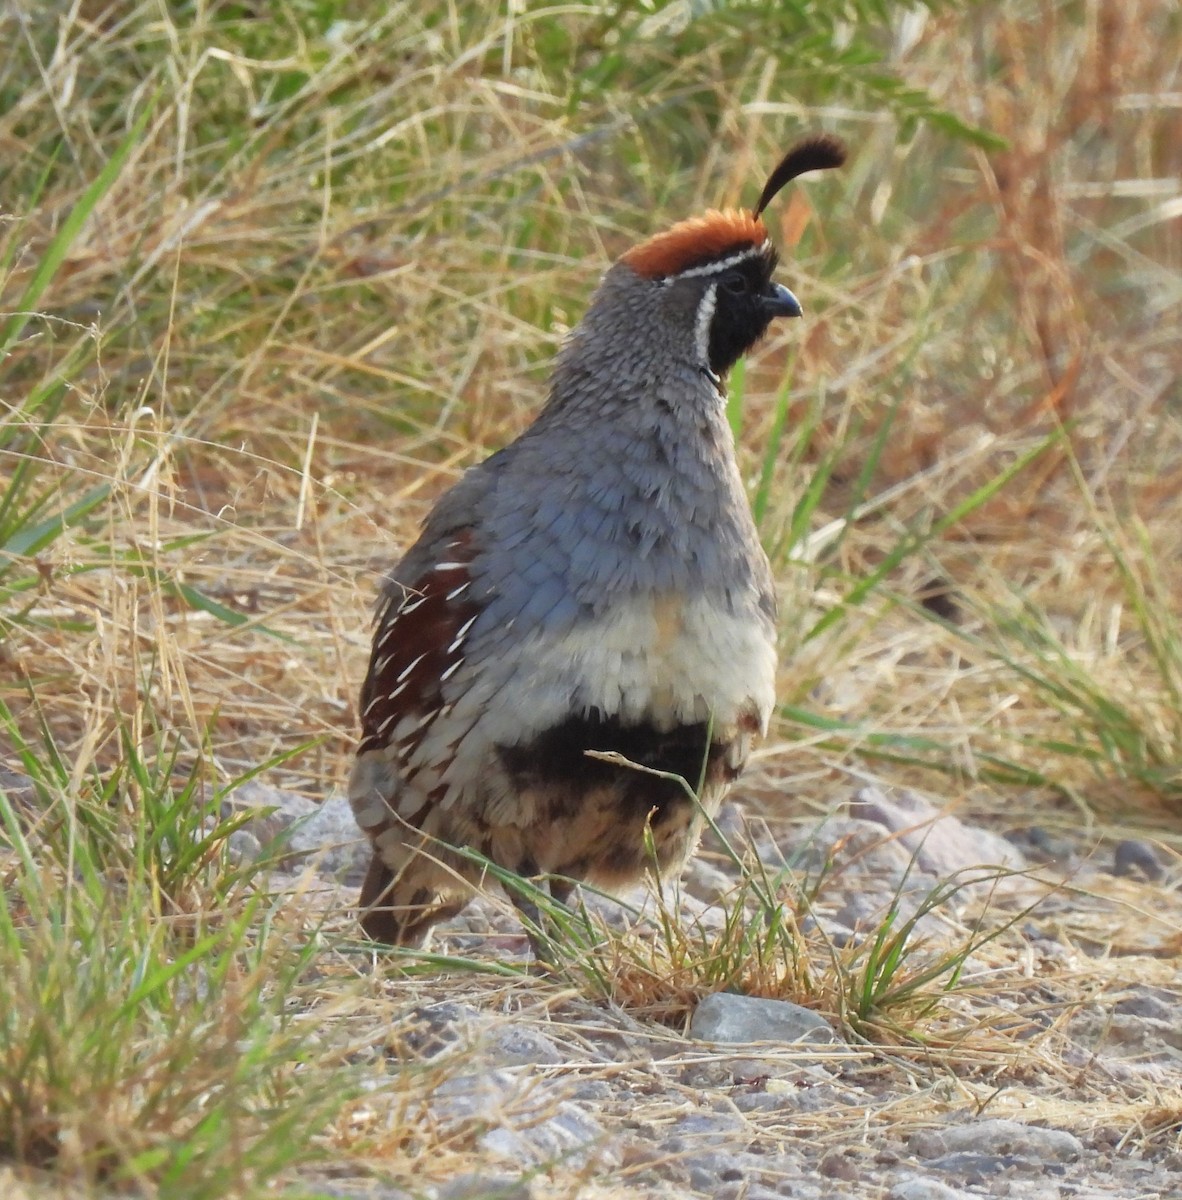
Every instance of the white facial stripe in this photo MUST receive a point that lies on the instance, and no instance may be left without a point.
(702, 324)
(724, 264)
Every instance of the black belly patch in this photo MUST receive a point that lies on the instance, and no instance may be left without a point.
(557, 760)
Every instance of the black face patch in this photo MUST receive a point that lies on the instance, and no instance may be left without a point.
(740, 316)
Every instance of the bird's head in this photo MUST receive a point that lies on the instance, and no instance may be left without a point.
(714, 271)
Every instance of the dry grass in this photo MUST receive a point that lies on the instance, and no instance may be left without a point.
(329, 275)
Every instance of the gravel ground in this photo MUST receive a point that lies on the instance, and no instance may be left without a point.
(1067, 1083)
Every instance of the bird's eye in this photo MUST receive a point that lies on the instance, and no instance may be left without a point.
(735, 283)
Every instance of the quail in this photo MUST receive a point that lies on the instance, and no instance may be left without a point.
(598, 585)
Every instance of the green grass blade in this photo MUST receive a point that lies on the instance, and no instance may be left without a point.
(55, 253)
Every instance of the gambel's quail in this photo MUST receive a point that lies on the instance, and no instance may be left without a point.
(597, 585)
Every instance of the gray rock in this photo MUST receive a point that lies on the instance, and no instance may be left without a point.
(298, 830)
(330, 841)
(623, 909)
(486, 1187)
(731, 822)
(725, 1017)
(836, 1165)
(516, 1045)
(319, 1188)
(754, 1102)
(520, 1119)
(1119, 1034)
(776, 1168)
(736, 1190)
(863, 912)
(1137, 858)
(821, 1099)
(976, 1168)
(592, 1090)
(701, 1179)
(706, 882)
(862, 848)
(717, 1167)
(942, 844)
(567, 1133)
(1159, 1004)
(1039, 845)
(698, 1130)
(1148, 1034)
(273, 810)
(997, 1137)
(244, 847)
(917, 1188)
(460, 1099)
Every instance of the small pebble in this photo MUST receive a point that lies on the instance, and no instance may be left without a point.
(725, 1017)
(486, 1187)
(839, 1166)
(923, 1189)
(1136, 858)
(997, 1139)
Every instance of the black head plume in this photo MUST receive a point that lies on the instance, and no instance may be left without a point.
(818, 153)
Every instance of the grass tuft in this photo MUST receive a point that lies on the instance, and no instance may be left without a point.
(150, 1039)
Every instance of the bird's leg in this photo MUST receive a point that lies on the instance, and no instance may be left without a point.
(560, 893)
(535, 929)
(390, 919)
(535, 922)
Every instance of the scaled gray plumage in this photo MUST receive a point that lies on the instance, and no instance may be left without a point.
(597, 585)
